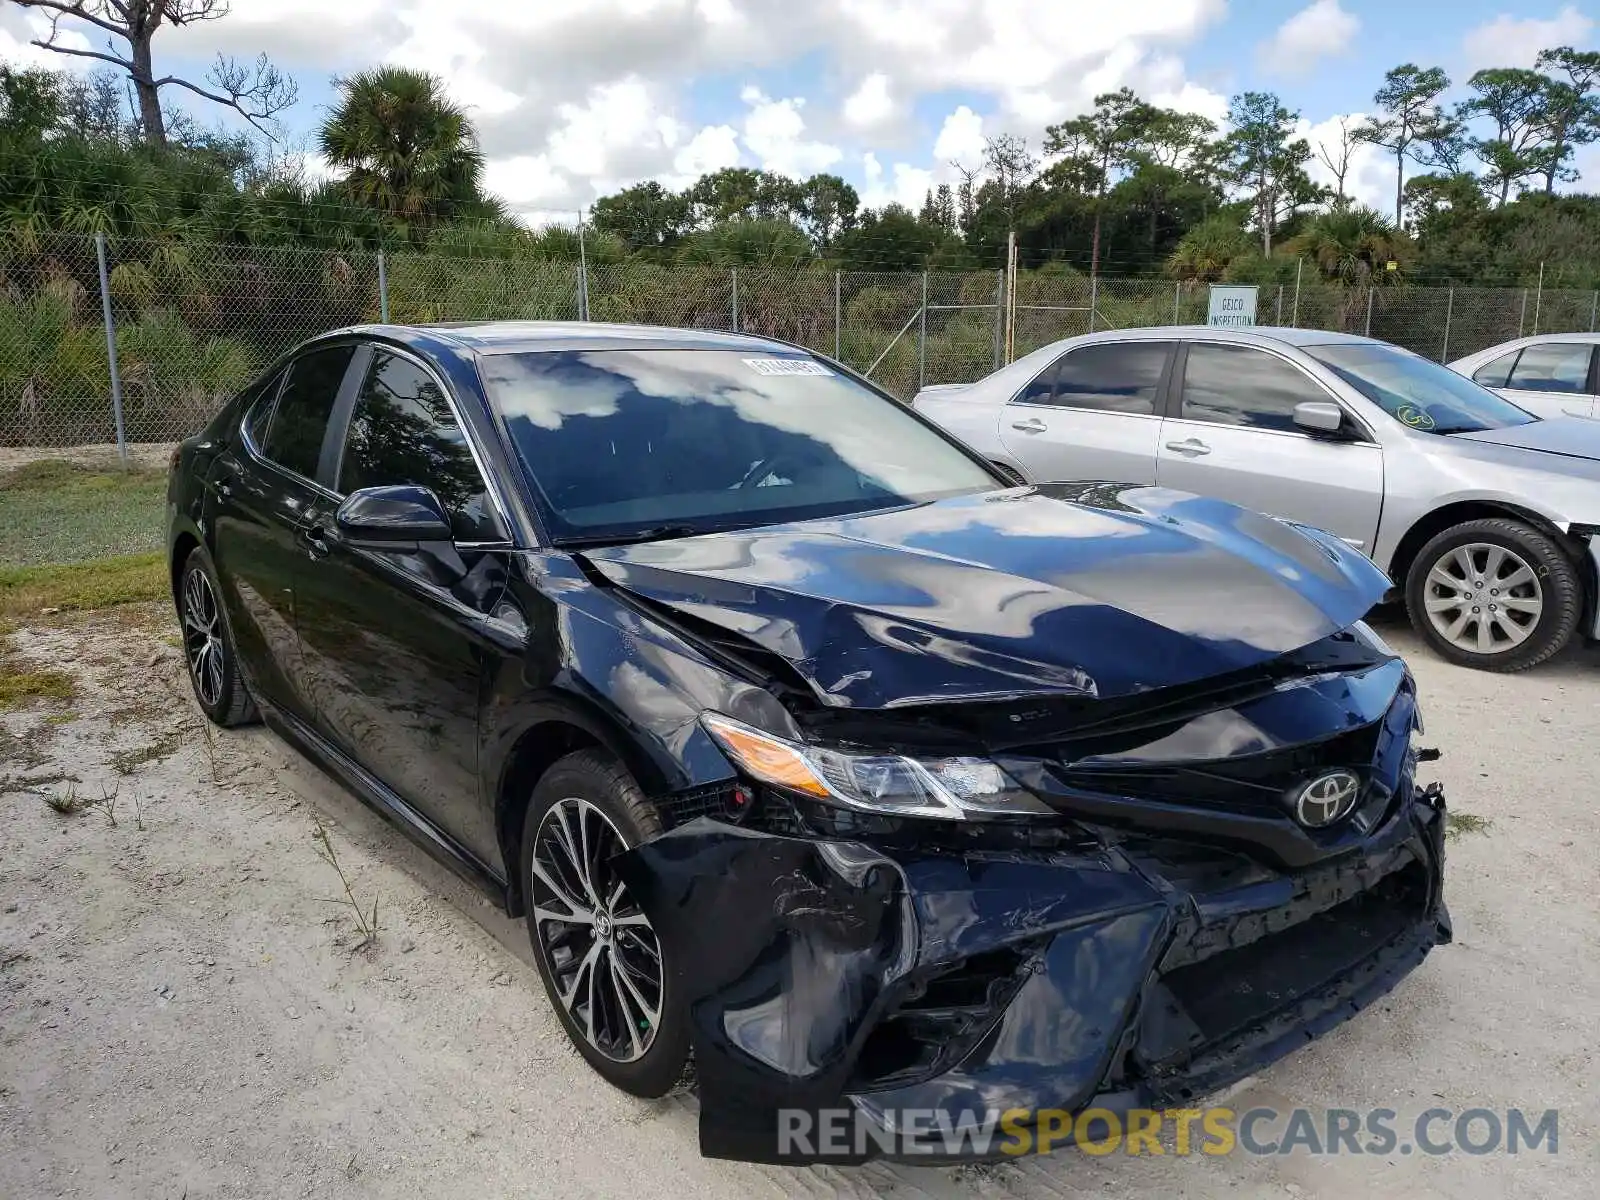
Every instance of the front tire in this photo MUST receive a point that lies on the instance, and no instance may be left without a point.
(598, 955)
(1495, 594)
(208, 646)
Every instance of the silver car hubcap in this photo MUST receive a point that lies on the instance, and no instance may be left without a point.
(599, 946)
(1483, 598)
(202, 637)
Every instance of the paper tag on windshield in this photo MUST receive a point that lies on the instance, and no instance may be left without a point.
(786, 366)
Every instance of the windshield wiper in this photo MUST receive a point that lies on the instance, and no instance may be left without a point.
(656, 533)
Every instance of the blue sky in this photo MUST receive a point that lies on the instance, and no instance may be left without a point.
(575, 100)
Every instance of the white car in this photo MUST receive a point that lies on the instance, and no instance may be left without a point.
(1486, 516)
(1550, 375)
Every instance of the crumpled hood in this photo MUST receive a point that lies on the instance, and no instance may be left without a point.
(1089, 589)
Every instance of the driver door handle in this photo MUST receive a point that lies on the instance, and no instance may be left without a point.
(1031, 425)
(1189, 446)
(313, 535)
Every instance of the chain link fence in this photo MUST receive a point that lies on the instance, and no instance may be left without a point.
(190, 323)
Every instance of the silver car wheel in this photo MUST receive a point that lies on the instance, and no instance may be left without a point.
(202, 637)
(601, 951)
(1483, 598)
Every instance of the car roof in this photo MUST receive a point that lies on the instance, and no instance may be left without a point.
(1253, 336)
(513, 337)
(1490, 353)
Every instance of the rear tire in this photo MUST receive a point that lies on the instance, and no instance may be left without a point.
(627, 1017)
(1496, 595)
(208, 649)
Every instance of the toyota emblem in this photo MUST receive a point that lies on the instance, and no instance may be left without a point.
(1326, 799)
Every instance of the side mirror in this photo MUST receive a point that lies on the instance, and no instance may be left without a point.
(397, 517)
(1319, 416)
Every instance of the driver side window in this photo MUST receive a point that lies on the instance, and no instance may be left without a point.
(1241, 385)
(403, 431)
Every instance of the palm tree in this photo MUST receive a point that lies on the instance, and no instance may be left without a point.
(407, 150)
(1353, 246)
(1207, 250)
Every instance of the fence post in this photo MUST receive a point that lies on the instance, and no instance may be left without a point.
(583, 272)
(1370, 292)
(736, 299)
(383, 289)
(1594, 306)
(922, 338)
(1522, 320)
(1538, 300)
(838, 318)
(1094, 299)
(1000, 314)
(1295, 319)
(1177, 303)
(1278, 318)
(1449, 311)
(111, 347)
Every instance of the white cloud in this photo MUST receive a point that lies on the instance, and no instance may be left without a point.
(18, 30)
(712, 149)
(774, 131)
(905, 184)
(574, 100)
(960, 138)
(870, 105)
(1509, 41)
(1320, 30)
(527, 182)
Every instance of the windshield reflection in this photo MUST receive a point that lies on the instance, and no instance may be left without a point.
(1421, 395)
(630, 442)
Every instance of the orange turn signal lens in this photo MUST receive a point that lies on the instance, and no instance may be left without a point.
(764, 757)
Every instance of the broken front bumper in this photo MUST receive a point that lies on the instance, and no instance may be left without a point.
(1141, 974)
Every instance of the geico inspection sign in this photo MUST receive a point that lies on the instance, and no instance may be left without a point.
(1232, 306)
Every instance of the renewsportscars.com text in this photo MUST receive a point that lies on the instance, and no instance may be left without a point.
(1181, 1131)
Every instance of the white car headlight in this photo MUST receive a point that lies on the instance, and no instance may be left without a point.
(949, 789)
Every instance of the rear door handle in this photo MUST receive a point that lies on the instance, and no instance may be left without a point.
(1031, 425)
(1189, 446)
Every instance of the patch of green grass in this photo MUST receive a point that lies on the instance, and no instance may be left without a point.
(18, 688)
(1457, 823)
(26, 591)
(53, 511)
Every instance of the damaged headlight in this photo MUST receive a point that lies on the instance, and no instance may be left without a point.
(949, 789)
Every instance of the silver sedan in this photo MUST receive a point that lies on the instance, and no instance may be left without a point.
(1550, 374)
(1482, 513)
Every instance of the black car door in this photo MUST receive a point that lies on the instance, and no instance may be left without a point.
(259, 492)
(390, 650)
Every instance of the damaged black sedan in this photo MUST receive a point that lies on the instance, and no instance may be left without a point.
(828, 768)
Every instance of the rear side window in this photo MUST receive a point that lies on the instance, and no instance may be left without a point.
(1552, 367)
(1495, 372)
(403, 431)
(1240, 385)
(1042, 388)
(257, 400)
(1122, 377)
(300, 418)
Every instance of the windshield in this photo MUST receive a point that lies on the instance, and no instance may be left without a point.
(634, 443)
(1418, 393)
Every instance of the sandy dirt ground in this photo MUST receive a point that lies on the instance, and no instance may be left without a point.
(184, 1014)
(149, 456)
